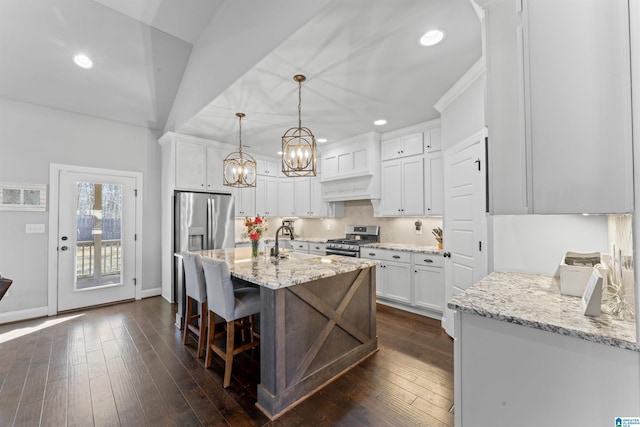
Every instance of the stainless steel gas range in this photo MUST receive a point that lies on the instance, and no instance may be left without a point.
(355, 236)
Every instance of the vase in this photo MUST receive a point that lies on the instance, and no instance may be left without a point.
(254, 248)
(439, 245)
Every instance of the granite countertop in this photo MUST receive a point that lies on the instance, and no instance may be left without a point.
(283, 239)
(274, 273)
(405, 248)
(535, 301)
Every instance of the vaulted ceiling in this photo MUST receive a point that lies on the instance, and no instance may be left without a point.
(188, 66)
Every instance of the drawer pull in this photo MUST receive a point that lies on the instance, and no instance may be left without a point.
(372, 254)
(396, 256)
(428, 260)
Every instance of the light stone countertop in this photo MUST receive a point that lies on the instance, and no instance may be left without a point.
(283, 239)
(405, 247)
(535, 301)
(276, 273)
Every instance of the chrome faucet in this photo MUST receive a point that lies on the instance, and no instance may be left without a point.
(275, 250)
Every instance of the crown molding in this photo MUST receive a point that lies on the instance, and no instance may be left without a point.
(476, 71)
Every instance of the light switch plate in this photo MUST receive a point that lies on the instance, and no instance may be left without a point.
(34, 228)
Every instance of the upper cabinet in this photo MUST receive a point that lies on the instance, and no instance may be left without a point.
(266, 196)
(301, 197)
(404, 146)
(192, 164)
(267, 167)
(434, 183)
(559, 106)
(199, 167)
(403, 187)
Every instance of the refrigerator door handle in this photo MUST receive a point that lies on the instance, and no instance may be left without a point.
(210, 236)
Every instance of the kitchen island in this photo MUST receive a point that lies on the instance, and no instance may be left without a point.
(318, 319)
(525, 355)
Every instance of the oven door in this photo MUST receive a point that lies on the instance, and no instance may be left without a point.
(332, 251)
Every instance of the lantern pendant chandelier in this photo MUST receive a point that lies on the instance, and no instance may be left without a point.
(239, 168)
(299, 145)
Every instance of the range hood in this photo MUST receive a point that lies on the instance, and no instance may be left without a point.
(351, 169)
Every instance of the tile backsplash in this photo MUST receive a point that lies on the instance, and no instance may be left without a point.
(358, 212)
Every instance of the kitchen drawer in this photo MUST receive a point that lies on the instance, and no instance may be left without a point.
(428, 260)
(385, 255)
(317, 248)
(300, 246)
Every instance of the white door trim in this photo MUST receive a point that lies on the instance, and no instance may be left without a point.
(54, 188)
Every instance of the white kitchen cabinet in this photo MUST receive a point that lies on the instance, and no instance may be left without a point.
(267, 167)
(299, 246)
(402, 187)
(411, 281)
(432, 140)
(404, 146)
(199, 167)
(428, 281)
(245, 201)
(318, 208)
(317, 248)
(266, 196)
(393, 274)
(559, 122)
(351, 169)
(285, 197)
(434, 183)
(301, 197)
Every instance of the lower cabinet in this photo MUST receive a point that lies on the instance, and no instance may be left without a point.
(428, 281)
(409, 280)
(299, 246)
(317, 248)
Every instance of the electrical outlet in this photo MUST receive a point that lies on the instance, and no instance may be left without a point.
(34, 228)
(328, 227)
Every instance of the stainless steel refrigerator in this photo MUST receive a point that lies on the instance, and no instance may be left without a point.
(202, 221)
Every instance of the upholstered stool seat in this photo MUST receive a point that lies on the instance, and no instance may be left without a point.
(196, 294)
(231, 305)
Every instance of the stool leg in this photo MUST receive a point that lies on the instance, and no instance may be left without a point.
(203, 327)
(211, 330)
(187, 319)
(228, 362)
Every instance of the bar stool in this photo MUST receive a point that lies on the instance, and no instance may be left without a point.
(195, 324)
(230, 304)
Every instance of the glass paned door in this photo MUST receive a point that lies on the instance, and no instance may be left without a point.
(96, 242)
(98, 234)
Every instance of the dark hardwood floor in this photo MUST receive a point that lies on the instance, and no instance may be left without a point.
(125, 365)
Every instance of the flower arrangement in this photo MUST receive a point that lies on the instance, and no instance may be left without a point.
(256, 227)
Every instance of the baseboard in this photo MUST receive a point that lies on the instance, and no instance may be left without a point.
(411, 309)
(146, 293)
(28, 313)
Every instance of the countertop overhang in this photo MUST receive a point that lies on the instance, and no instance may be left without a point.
(535, 301)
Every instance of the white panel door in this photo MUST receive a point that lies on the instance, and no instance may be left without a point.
(96, 239)
(465, 219)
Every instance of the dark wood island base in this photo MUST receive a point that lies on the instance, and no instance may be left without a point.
(312, 333)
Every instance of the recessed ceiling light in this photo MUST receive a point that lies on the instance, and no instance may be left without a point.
(432, 37)
(83, 61)
(380, 122)
(322, 139)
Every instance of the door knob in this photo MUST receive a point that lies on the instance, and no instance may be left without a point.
(64, 248)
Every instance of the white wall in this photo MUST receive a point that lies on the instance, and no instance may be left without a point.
(537, 243)
(464, 115)
(32, 138)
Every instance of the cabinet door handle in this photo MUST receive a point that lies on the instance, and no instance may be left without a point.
(428, 260)
(447, 254)
(396, 256)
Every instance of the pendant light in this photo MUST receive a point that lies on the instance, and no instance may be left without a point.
(299, 145)
(239, 168)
